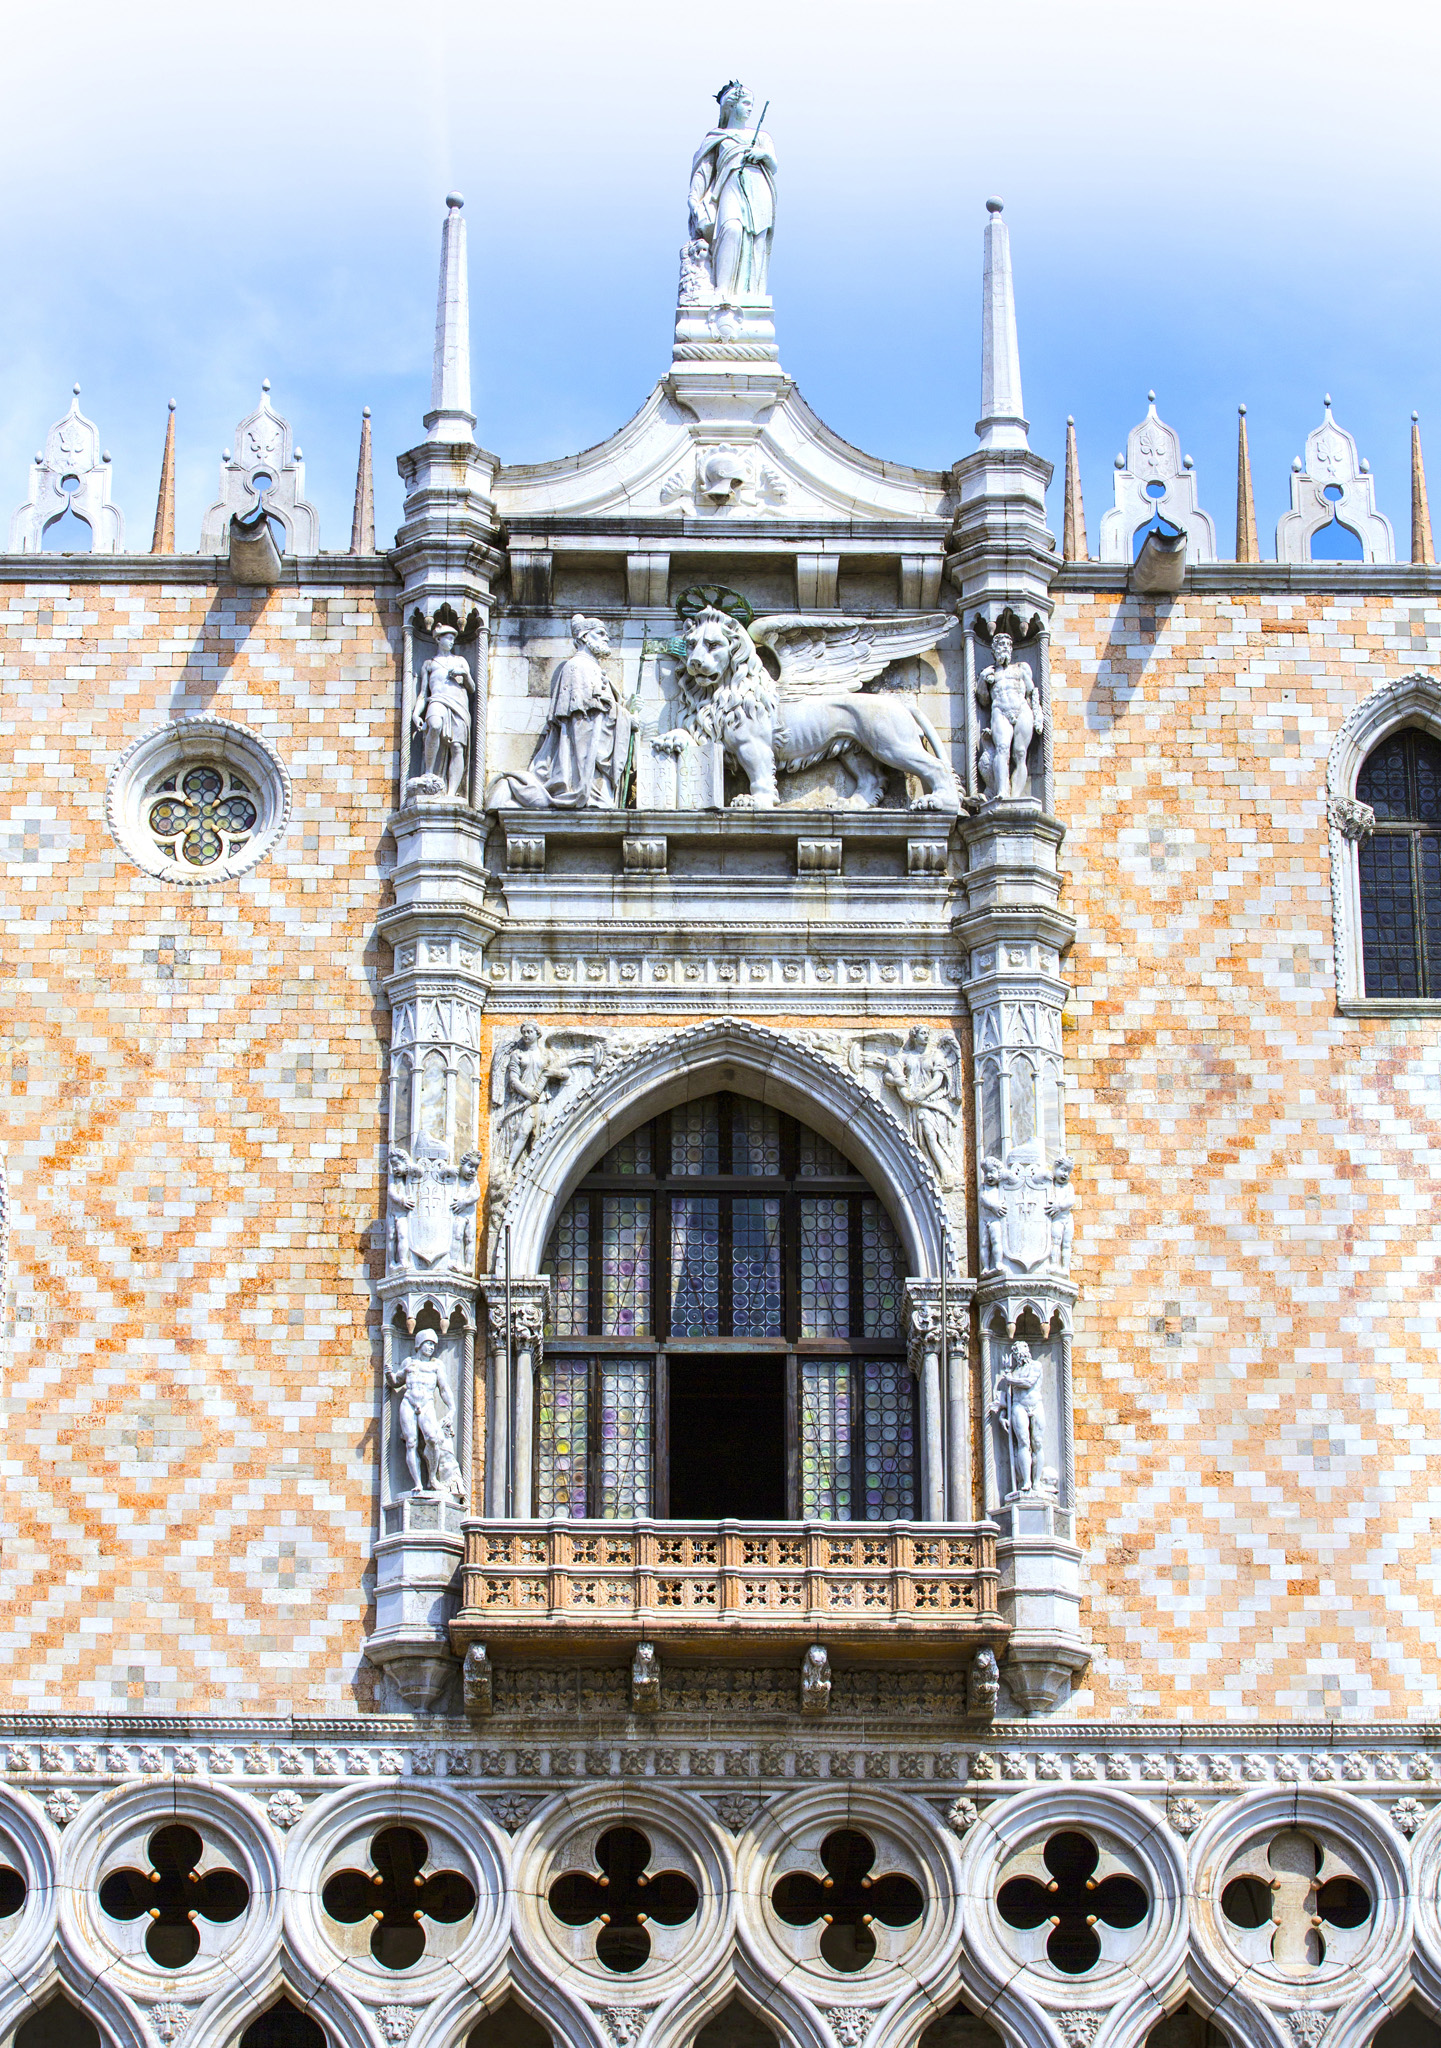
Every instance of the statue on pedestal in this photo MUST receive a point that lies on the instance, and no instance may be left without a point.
(733, 199)
(1008, 690)
(1016, 1402)
(580, 761)
(425, 1411)
(442, 718)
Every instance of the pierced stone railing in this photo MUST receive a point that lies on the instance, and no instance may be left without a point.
(863, 1583)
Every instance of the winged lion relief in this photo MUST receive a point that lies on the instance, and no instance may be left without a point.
(786, 692)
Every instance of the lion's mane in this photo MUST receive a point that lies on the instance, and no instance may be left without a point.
(744, 687)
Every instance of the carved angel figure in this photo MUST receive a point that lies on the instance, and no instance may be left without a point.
(922, 1076)
(790, 691)
(525, 1080)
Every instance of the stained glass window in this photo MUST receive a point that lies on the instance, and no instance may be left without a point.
(625, 1265)
(755, 1139)
(625, 1434)
(562, 1436)
(695, 1137)
(826, 1438)
(718, 1232)
(890, 1446)
(695, 1266)
(631, 1155)
(567, 1261)
(756, 1268)
(881, 1273)
(202, 815)
(825, 1266)
(1399, 867)
(817, 1158)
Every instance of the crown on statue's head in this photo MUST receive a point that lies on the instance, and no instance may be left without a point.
(731, 85)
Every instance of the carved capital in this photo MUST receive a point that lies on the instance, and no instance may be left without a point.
(529, 1300)
(1353, 820)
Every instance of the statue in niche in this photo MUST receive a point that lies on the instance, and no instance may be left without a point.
(1008, 690)
(425, 1411)
(525, 1080)
(580, 761)
(923, 1078)
(1060, 1207)
(1026, 1214)
(432, 1207)
(817, 707)
(443, 699)
(733, 199)
(1016, 1404)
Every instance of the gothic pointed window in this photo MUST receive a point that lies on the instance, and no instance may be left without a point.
(725, 1331)
(1399, 866)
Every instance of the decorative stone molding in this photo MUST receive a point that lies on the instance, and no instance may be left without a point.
(1411, 700)
(72, 453)
(1153, 477)
(236, 813)
(811, 1082)
(264, 447)
(1334, 483)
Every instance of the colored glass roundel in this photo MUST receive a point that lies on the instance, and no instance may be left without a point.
(204, 815)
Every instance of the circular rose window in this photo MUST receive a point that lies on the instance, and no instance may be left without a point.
(199, 801)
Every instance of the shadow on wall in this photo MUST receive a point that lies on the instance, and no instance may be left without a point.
(229, 621)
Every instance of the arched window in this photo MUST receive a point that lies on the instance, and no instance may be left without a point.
(1399, 866)
(57, 2025)
(725, 1333)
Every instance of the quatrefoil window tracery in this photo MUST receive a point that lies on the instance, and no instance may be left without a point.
(1304, 1892)
(1074, 1901)
(202, 815)
(848, 1899)
(398, 1895)
(623, 1898)
(173, 1892)
(13, 1890)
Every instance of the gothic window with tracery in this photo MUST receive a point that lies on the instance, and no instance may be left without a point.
(725, 1330)
(1399, 866)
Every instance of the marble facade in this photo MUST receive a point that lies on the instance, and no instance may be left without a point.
(355, 916)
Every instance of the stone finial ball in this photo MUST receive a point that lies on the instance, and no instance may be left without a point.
(994, 205)
(454, 199)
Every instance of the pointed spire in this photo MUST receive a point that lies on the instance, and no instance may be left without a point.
(362, 522)
(1073, 529)
(1421, 548)
(163, 542)
(1247, 546)
(1002, 422)
(450, 417)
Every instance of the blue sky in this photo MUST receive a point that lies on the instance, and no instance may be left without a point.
(1237, 204)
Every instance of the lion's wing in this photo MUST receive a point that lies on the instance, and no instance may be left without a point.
(843, 654)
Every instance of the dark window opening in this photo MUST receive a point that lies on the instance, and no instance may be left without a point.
(724, 1335)
(1399, 867)
(284, 2026)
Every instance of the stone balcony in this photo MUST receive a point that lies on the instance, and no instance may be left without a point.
(892, 1590)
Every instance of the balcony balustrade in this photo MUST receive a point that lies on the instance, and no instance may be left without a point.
(898, 1589)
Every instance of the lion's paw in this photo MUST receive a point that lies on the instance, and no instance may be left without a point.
(742, 803)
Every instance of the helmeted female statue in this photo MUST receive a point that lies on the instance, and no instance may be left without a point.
(733, 198)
